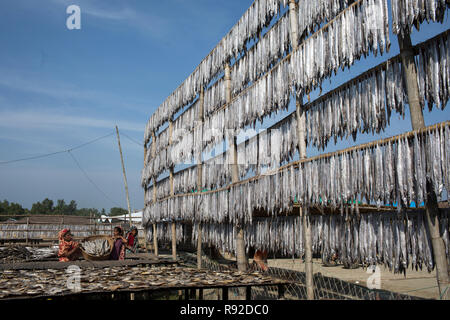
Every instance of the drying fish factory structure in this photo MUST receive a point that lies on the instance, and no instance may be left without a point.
(255, 194)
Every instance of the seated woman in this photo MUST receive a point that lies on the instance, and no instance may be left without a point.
(69, 250)
(132, 239)
(120, 243)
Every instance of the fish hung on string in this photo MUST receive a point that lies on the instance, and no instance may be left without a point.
(352, 34)
(433, 72)
(406, 14)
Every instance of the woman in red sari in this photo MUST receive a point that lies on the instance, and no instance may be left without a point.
(69, 250)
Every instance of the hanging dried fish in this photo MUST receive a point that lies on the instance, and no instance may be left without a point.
(409, 13)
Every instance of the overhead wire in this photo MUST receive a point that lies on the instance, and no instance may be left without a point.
(69, 151)
(57, 152)
(89, 179)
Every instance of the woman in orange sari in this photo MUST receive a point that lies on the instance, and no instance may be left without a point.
(69, 250)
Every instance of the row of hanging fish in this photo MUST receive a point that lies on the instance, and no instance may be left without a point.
(269, 148)
(272, 92)
(361, 105)
(258, 16)
(383, 173)
(164, 232)
(162, 190)
(398, 241)
(214, 98)
(222, 236)
(409, 13)
(433, 69)
(311, 14)
(216, 172)
(234, 46)
(394, 171)
(262, 56)
(355, 32)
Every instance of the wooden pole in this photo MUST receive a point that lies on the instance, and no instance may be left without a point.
(301, 125)
(155, 238)
(431, 206)
(28, 221)
(172, 193)
(200, 179)
(241, 256)
(124, 174)
(145, 198)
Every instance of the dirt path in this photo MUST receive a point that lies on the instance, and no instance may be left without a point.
(416, 283)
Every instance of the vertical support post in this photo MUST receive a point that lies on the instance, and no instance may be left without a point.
(199, 246)
(172, 193)
(145, 198)
(200, 177)
(308, 254)
(155, 238)
(28, 224)
(124, 174)
(241, 256)
(431, 206)
(301, 124)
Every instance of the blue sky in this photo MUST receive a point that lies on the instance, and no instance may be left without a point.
(60, 88)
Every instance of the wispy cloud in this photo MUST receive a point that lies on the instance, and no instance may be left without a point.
(66, 92)
(120, 12)
(33, 119)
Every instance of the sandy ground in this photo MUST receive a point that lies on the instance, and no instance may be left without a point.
(416, 283)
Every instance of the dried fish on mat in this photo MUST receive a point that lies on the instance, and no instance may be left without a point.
(16, 283)
(14, 254)
(97, 247)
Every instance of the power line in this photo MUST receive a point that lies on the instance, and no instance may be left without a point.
(131, 139)
(58, 152)
(90, 180)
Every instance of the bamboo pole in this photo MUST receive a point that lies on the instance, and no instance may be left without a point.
(241, 256)
(28, 221)
(417, 122)
(199, 179)
(124, 174)
(173, 225)
(145, 197)
(301, 125)
(155, 238)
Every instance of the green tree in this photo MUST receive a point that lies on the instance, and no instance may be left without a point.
(72, 207)
(44, 207)
(12, 208)
(117, 211)
(60, 208)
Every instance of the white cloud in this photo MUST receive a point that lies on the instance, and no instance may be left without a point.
(65, 91)
(50, 120)
(148, 24)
